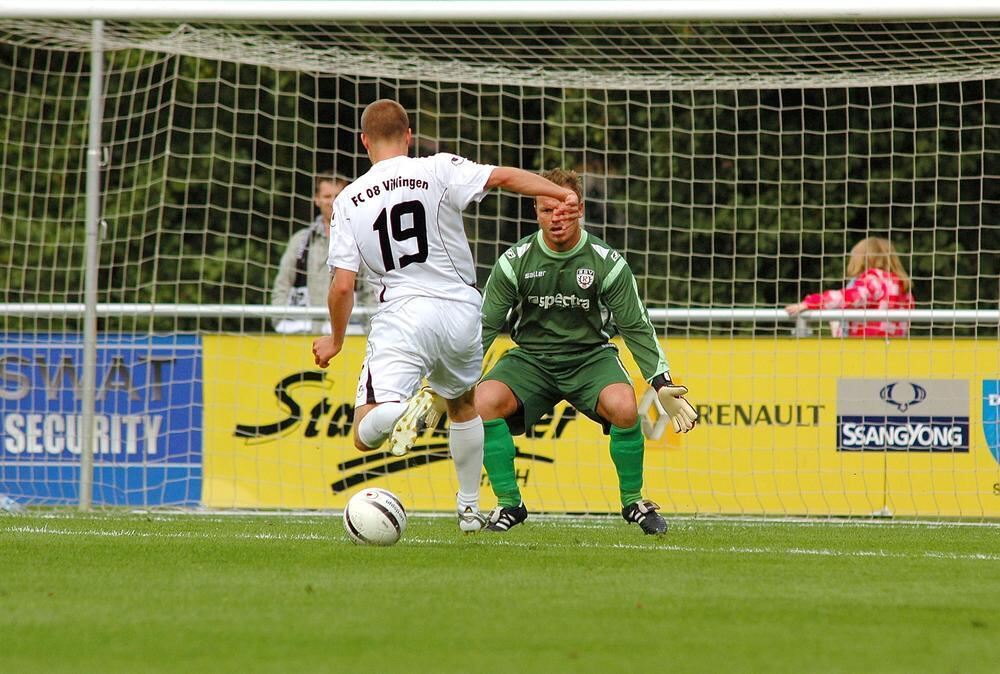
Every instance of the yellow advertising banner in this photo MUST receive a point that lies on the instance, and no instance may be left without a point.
(788, 427)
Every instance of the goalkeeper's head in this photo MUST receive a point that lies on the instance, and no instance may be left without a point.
(563, 235)
(565, 178)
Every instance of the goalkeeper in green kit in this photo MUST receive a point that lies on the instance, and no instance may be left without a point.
(568, 293)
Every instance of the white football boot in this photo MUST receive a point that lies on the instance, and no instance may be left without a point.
(470, 520)
(404, 433)
(438, 409)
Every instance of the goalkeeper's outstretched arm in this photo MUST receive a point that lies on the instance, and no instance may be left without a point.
(632, 319)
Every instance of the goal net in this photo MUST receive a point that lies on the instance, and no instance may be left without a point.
(734, 163)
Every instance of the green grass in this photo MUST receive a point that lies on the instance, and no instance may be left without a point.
(178, 593)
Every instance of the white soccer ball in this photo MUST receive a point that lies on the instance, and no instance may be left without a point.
(374, 517)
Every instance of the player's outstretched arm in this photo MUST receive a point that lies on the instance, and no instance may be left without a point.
(682, 414)
(530, 185)
(622, 296)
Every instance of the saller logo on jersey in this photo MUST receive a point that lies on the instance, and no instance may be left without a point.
(585, 278)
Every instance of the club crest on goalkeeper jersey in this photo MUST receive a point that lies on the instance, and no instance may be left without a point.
(563, 303)
(403, 220)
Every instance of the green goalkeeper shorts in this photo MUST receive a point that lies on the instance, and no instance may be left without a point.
(539, 382)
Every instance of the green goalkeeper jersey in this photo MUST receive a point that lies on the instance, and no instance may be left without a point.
(567, 303)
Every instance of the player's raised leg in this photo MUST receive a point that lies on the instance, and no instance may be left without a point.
(414, 418)
(374, 423)
(389, 403)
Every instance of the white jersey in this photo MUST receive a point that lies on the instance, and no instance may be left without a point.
(403, 221)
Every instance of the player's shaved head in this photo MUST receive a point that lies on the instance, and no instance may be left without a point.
(384, 119)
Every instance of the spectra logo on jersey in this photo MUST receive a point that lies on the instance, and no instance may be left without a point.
(560, 300)
(929, 415)
(991, 416)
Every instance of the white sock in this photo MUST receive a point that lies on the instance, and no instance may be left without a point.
(466, 441)
(377, 425)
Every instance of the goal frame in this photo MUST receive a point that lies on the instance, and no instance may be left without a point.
(483, 10)
(98, 11)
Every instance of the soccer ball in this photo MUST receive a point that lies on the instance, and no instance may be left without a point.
(374, 517)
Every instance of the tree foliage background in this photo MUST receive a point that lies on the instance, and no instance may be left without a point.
(746, 198)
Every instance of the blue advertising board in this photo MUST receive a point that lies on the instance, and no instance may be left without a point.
(147, 427)
(991, 416)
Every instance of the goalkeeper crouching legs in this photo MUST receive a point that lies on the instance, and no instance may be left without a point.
(521, 388)
(616, 406)
(498, 459)
(627, 447)
(495, 402)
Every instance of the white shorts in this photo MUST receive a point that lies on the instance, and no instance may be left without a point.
(418, 337)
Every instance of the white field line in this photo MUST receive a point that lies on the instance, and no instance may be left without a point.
(497, 541)
(681, 522)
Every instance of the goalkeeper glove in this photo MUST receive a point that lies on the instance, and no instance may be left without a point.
(671, 396)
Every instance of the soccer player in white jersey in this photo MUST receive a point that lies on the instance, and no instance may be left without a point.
(402, 220)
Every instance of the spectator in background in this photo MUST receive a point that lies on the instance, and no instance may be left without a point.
(303, 278)
(878, 281)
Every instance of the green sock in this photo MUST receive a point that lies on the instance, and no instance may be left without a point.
(627, 447)
(498, 459)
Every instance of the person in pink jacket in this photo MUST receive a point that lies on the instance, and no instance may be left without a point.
(878, 281)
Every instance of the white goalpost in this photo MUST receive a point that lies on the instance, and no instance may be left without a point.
(156, 159)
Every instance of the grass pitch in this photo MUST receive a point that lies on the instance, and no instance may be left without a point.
(182, 593)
